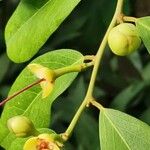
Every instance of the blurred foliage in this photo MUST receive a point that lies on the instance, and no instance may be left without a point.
(123, 83)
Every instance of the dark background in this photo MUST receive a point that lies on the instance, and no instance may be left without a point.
(123, 83)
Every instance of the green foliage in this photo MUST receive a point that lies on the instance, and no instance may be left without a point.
(145, 116)
(119, 131)
(122, 100)
(30, 103)
(85, 134)
(18, 143)
(124, 82)
(4, 62)
(144, 30)
(40, 19)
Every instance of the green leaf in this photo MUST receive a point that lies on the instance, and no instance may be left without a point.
(122, 100)
(32, 24)
(143, 27)
(135, 59)
(3, 130)
(91, 140)
(119, 131)
(4, 61)
(18, 143)
(145, 116)
(146, 73)
(30, 103)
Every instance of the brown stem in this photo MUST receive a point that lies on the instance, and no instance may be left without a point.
(21, 91)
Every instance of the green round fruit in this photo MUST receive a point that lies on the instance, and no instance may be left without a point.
(123, 39)
(21, 126)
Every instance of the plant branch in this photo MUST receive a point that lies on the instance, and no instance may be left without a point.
(21, 91)
(102, 48)
(89, 95)
(65, 136)
(58, 72)
(75, 68)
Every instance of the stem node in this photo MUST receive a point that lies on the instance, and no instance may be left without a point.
(97, 59)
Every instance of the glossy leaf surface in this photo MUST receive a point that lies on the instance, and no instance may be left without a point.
(143, 26)
(30, 103)
(31, 25)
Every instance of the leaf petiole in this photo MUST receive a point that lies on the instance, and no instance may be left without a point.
(97, 105)
(129, 19)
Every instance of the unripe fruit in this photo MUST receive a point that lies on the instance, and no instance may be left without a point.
(123, 39)
(21, 126)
